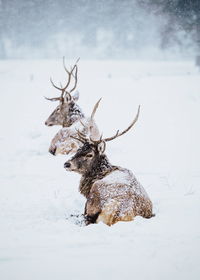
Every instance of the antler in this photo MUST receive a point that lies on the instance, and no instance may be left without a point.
(118, 133)
(76, 138)
(81, 137)
(95, 108)
(126, 130)
(64, 89)
(70, 73)
(93, 113)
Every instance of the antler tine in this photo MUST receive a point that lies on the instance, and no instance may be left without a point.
(75, 77)
(93, 112)
(76, 72)
(95, 108)
(81, 135)
(126, 130)
(52, 99)
(56, 98)
(82, 141)
(63, 89)
(85, 126)
(97, 141)
(70, 73)
(65, 66)
(77, 61)
(55, 85)
(113, 137)
(73, 66)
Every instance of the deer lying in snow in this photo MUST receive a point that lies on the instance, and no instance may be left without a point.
(65, 142)
(113, 193)
(69, 115)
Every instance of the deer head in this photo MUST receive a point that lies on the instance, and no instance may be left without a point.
(67, 112)
(90, 158)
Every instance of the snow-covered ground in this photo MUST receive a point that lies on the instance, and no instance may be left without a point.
(39, 240)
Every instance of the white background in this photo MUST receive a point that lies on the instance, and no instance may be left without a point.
(39, 240)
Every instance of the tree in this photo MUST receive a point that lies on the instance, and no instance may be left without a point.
(181, 15)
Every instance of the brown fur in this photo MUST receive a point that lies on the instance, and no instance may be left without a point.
(113, 193)
(118, 202)
(65, 114)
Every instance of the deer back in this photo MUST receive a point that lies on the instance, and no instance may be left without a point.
(118, 197)
(64, 142)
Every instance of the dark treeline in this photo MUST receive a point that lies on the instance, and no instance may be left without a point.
(97, 28)
(181, 15)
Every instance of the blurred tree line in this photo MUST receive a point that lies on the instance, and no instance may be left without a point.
(181, 15)
(109, 28)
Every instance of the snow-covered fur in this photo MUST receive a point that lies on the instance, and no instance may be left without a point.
(113, 193)
(64, 144)
(120, 198)
(71, 117)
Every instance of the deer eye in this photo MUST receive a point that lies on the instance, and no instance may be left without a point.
(89, 155)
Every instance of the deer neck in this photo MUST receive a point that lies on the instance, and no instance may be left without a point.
(73, 115)
(99, 169)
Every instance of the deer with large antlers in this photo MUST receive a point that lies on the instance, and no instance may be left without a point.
(113, 193)
(69, 115)
(67, 112)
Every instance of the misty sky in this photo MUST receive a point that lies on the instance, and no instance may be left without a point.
(89, 28)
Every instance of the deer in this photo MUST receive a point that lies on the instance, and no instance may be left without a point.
(67, 112)
(65, 142)
(70, 116)
(112, 192)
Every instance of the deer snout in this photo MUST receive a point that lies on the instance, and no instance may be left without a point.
(67, 164)
(48, 123)
(52, 151)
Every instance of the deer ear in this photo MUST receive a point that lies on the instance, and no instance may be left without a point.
(101, 147)
(76, 95)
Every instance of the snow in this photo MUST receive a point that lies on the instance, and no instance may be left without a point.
(124, 178)
(39, 237)
(118, 177)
